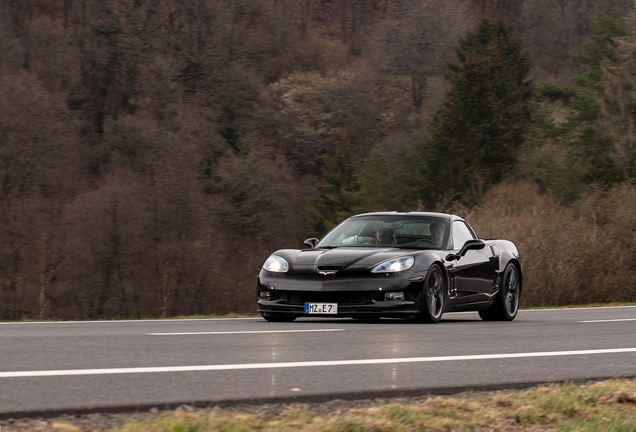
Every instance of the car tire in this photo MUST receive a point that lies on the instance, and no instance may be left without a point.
(506, 304)
(277, 318)
(433, 296)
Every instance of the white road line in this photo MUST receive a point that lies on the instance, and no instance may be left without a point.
(244, 332)
(609, 320)
(226, 367)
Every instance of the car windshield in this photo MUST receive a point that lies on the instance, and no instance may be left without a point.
(382, 231)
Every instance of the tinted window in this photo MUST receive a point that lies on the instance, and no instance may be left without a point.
(388, 230)
(461, 234)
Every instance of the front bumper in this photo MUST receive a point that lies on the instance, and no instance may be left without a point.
(393, 309)
(356, 296)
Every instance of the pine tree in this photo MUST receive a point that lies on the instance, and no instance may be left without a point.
(375, 183)
(567, 157)
(605, 30)
(591, 147)
(408, 179)
(230, 131)
(108, 75)
(338, 195)
(476, 133)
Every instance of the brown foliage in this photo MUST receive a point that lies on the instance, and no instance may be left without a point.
(580, 254)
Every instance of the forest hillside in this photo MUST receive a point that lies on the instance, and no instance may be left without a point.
(154, 152)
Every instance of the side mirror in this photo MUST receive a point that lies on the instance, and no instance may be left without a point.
(311, 242)
(471, 245)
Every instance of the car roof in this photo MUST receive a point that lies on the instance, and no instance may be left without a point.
(420, 214)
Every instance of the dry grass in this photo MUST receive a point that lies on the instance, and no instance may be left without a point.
(576, 255)
(607, 406)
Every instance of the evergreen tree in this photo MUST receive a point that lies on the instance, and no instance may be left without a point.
(338, 195)
(544, 157)
(590, 147)
(605, 30)
(581, 149)
(408, 179)
(108, 75)
(476, 133)
(376, 183)
(391, 186)
(230, 131)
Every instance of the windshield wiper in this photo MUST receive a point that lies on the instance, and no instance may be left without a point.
(327, 247)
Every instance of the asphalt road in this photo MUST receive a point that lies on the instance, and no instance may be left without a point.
(68, 366)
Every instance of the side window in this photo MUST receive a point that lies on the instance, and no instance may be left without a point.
(461, 234)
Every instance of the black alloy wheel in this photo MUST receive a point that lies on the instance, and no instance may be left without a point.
(433, 296)
(506, 304)
(277, 318)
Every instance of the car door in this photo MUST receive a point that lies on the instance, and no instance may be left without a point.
(473, 273)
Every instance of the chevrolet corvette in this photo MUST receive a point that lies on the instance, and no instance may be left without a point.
(414, 265)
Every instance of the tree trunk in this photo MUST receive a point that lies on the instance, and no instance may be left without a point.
(418, 92)
(68, 5)
(44, 274)
(165, 292)
(304, 18)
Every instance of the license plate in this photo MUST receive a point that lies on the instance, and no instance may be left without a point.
(321, 308)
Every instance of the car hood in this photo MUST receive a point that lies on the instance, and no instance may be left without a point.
(353, 258)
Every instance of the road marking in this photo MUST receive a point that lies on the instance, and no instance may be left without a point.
(609, 320)
(244, 332)
(226, 367)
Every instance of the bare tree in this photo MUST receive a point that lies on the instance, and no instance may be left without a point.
(39, 168)
(555, 30)
(49, 260)
(314, 111)
(418, 40)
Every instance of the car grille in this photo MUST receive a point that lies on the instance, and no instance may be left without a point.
(302, 297)
(336, 268)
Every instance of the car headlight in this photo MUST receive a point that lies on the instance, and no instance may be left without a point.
(276, 264)
(395, 265)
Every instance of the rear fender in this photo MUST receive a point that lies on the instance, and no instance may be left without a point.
(508, 253)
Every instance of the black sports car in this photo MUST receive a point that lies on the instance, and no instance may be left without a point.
(402, 265)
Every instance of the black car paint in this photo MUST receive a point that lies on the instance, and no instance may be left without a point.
(472, 280)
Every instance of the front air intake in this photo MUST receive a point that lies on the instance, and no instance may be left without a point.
(342, 298)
